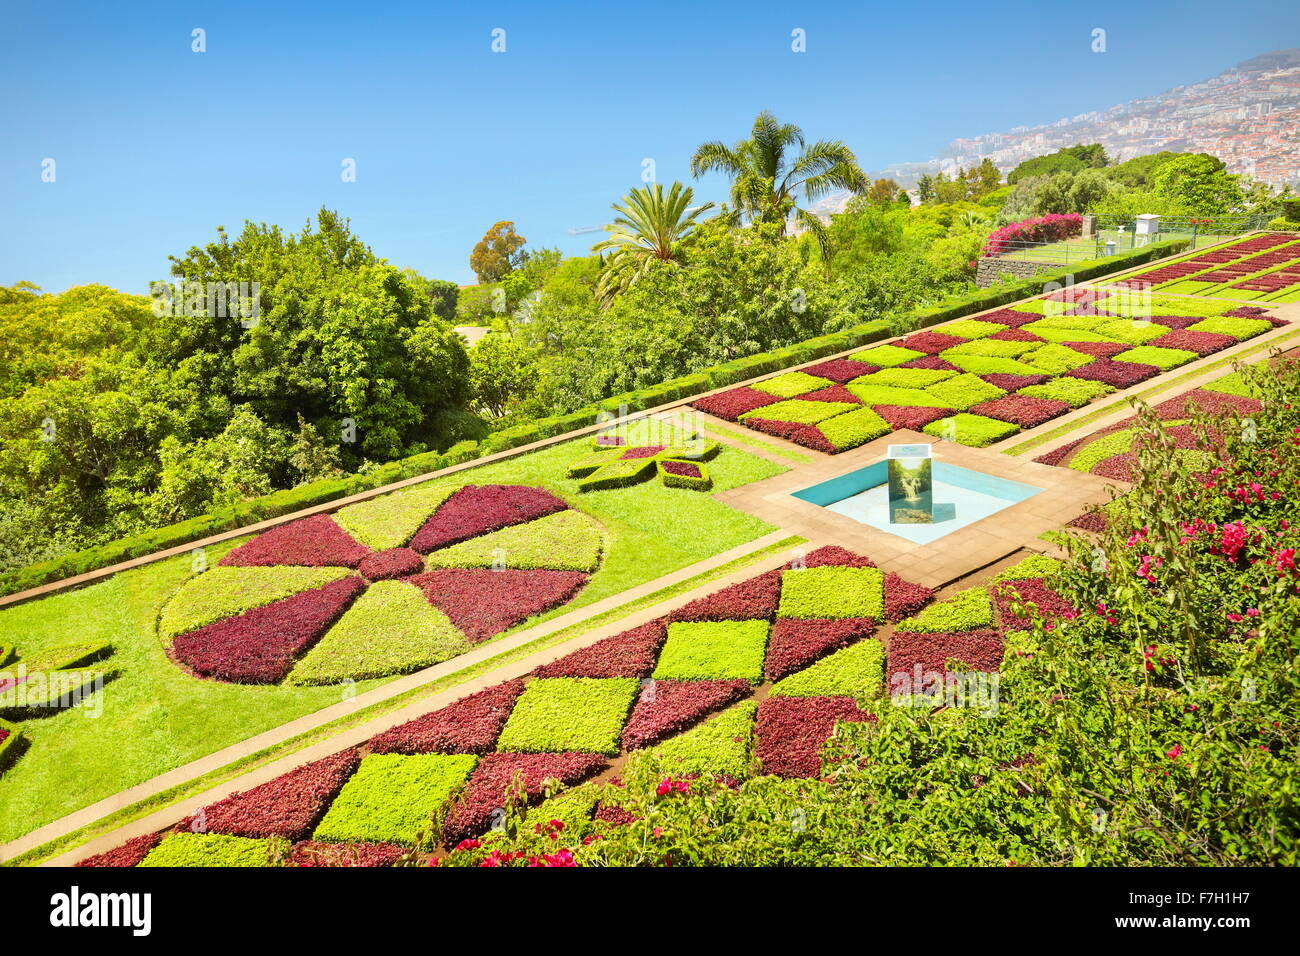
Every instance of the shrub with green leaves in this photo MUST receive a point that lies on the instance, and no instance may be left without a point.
(975, 431)
(1161, 358)
(1033, 566)
(557, 714)
(1055, 359)
(713, 650)
(1238, 327)
(799, 410)
(991, 365)
(964, 391)
(585, 465)
(910, 377)
(854, 428)
(872, 394)
(225, 591)
(886, 356)
(966, 611)
(1133, 331)
(832, 592)
(856, 671)
(617, 474)
(723, 746)
(970, 328)
(390, 521)
(1076, 392)
(564, 541)
(391, 629)
(392, 798)
(208, 850)
(791, 384)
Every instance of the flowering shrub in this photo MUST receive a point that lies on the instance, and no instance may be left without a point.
(288, 806)
(259, 647)
(1050, 228)
(667, 706)
(470, 725)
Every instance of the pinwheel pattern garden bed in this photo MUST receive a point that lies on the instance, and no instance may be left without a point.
(383, 587)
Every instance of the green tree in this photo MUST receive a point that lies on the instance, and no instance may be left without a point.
(649, 229)
(1200, 182)
(341, 335)
(497, 253)
(503, 372)
(925, 188)
(766, 180)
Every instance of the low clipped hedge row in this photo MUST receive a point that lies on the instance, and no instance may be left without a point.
(719, 376)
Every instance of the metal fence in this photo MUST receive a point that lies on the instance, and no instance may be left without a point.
(1114, 235)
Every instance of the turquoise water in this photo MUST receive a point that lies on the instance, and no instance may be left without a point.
(961, 497)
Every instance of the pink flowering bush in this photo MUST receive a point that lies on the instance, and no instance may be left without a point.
(1050, 228)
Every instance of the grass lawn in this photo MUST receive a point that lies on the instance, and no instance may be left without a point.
(155, 718)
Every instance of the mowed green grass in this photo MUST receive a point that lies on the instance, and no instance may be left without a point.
(155, 718)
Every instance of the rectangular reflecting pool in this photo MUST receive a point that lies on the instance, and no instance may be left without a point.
(961, 497)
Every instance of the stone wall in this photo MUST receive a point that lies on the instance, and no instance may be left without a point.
(988, 269)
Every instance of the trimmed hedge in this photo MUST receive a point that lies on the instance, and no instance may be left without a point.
(719, 376)
(10, 748)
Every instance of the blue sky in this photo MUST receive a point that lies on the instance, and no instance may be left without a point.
(157, 145)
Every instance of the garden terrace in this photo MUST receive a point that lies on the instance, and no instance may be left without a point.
(1264, 268)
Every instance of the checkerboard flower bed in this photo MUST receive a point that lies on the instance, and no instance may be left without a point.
(314, 853)
(839, 370)
(911, 654)
(673, 690)
(1119, 375)
(1022, 410)
(208, 850)
(1050, 605)
(128, 854)
(736, 402)
(274, 610)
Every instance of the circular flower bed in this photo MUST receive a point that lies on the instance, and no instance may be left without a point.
(384, 587)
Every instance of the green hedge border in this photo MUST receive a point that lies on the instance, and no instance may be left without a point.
(719, 376)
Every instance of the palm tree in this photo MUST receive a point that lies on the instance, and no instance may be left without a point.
(764, 183)
(649, 230)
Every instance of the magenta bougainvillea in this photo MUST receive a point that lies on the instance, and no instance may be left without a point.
(735, 402)
(630, 654)
(496, 773)
(667, 706)
(483, 602)
(261, 645)
(479, 509)
(792, 730)
(795, 643)
(1050, 228)
(1022, 410)
(1050, 604)
(470, 725)
(316, 541)
(289, 806)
